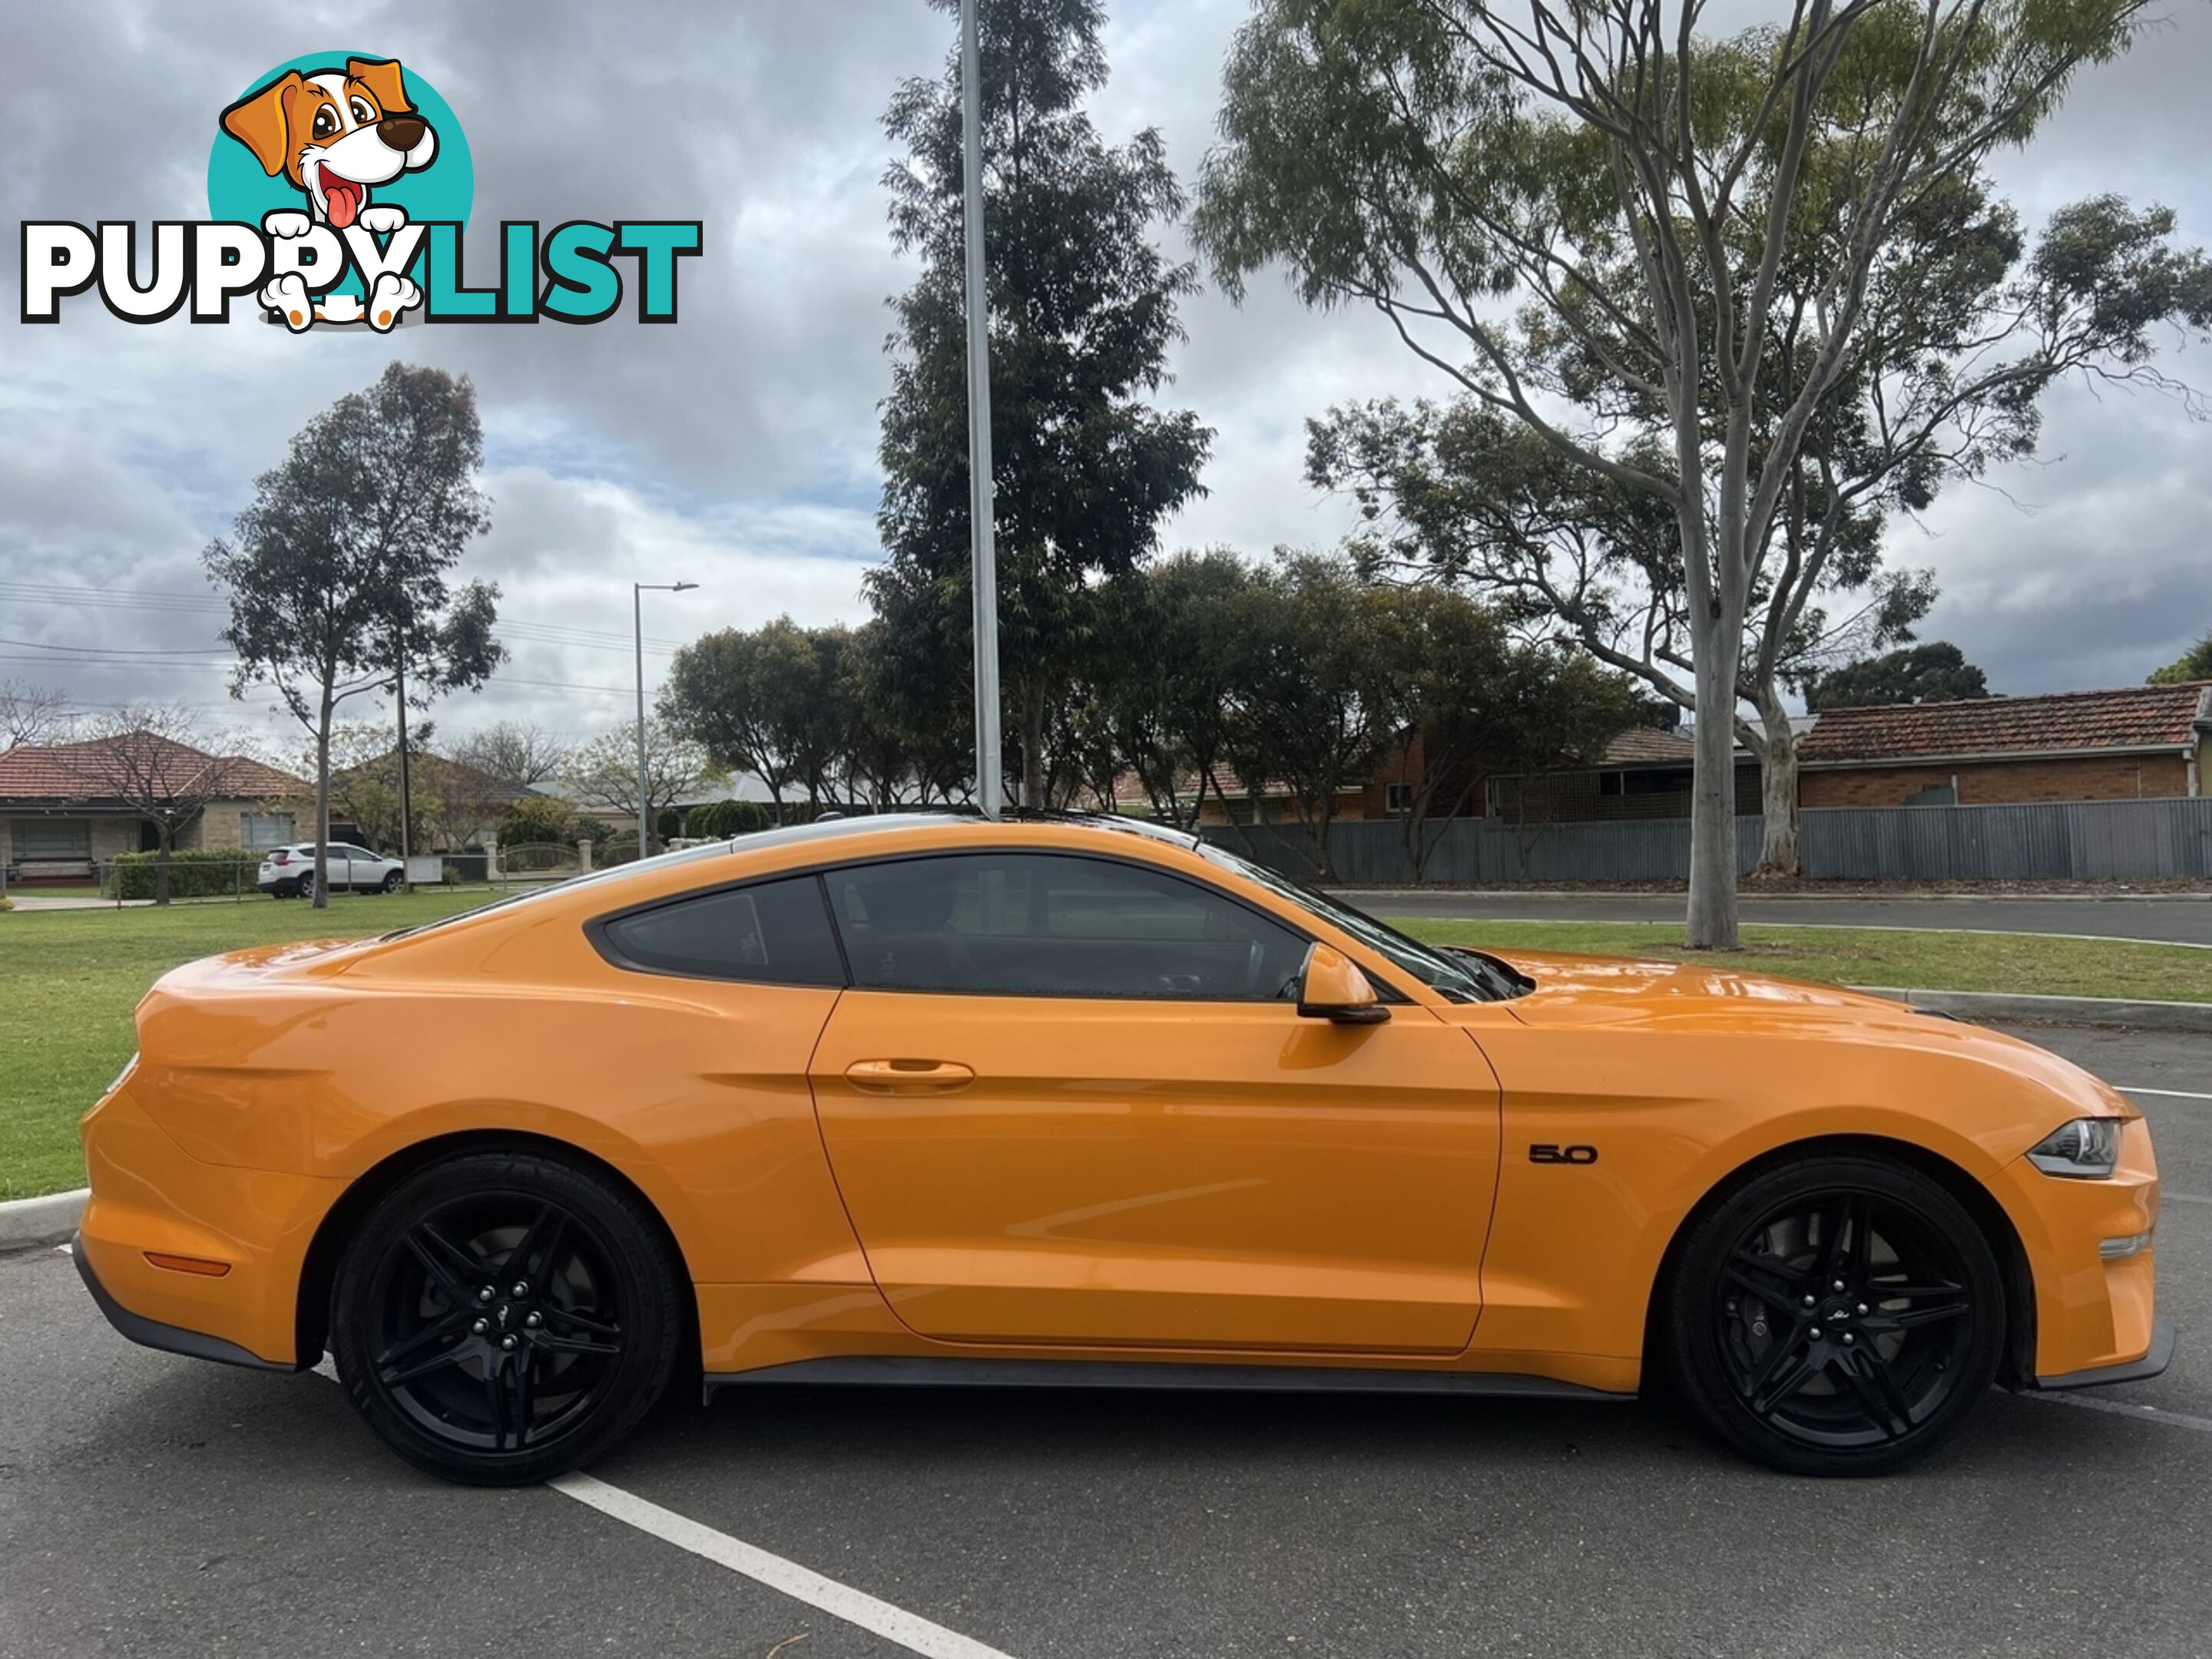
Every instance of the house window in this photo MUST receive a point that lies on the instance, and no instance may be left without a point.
(1397, 800)
(260, 829)
(53, 838)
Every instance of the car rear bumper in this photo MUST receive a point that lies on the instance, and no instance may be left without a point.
(248, 1230)
(170, 1339)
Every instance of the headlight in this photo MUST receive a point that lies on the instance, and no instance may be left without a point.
(2085, 1150)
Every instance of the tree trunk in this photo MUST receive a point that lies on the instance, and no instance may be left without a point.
(1033, 749)
(406, 801)
(323, 810)
(1712, 924)
(161, 866)
(1778, 773)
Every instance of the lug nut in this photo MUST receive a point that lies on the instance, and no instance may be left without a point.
(509, 1341)
(534, 1321)
(481, 1327)
(1847, 1339)
(522, 1287)
(1839, 1284)
(1809, 1301)
(485, 1294)
(1862, 1308)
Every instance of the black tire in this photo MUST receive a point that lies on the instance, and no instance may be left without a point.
(1812, 1379)
(517, 1386)
(391, 881)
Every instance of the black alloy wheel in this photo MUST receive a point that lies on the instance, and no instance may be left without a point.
(504, 1317)
(1837, 1316)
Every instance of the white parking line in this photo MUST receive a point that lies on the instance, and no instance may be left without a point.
(2183, 1197)
(2171, 1094)
(2122, 1408)
(910, 1631)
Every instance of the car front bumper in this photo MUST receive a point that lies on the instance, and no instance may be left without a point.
(2128, 1371)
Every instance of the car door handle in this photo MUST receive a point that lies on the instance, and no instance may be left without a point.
(909, 1077)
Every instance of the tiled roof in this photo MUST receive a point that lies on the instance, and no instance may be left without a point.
(1644, 746)
(2131, 719)
(96, 770)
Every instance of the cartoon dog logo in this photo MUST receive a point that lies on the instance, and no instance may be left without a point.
(335, 135)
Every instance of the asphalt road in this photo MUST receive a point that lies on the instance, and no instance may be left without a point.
(152, 1505)
(2171, 920)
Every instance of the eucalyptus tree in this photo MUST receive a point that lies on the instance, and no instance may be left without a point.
(336, 573)
(1676, 259)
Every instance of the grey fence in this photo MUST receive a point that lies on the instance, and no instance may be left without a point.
(2105, 840)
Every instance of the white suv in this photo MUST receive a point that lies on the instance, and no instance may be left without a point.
(288, 872)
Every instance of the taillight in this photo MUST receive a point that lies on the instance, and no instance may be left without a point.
(280, 858)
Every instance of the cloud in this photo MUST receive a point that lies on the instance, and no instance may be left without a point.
(737, 449)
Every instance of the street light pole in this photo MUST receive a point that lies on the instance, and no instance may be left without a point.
(990, 775)
(637, 592)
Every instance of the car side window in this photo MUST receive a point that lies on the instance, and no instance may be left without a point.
(1051, 925)
(773, 933)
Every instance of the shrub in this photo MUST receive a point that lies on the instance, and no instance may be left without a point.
(538, 821)
(194, 872)
(721, 818)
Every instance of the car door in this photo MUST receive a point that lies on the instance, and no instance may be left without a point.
(1070, 1099)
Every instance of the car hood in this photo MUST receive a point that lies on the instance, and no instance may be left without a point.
(1613, 979)
(1617, 986)
(1607, 993)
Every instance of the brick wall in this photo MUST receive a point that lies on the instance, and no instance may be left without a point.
(2114, 777)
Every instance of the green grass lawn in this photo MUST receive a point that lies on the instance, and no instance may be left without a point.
(1872, 956)
(70, 979)
(69, 982)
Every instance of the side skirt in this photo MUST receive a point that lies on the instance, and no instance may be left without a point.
(962, 1373)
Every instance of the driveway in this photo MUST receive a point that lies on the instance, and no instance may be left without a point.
(2172, 919)
(152, 1505)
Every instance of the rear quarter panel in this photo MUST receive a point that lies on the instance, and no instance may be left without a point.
(695, 1090)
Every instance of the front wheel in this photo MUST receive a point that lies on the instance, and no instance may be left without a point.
(503, 1317)
(1836, 1315)
(391, 881)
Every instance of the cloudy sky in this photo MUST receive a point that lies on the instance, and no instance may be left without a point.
(736, 448)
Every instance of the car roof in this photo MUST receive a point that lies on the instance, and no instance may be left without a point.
(601, 884)
(876, 824)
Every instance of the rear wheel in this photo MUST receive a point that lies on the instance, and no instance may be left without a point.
(1836, 1315)
(503, 1317)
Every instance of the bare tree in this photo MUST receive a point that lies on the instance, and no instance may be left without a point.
(519, 752)
(604, 772)
(31, 714)
(153, 760)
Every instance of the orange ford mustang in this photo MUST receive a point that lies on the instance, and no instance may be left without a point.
(939, 1099)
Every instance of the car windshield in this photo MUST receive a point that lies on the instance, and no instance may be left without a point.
(1464, 976)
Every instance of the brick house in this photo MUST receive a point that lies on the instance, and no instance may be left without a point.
(63, 808)
(2146, 742)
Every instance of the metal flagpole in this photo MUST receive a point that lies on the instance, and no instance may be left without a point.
(990, 773)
